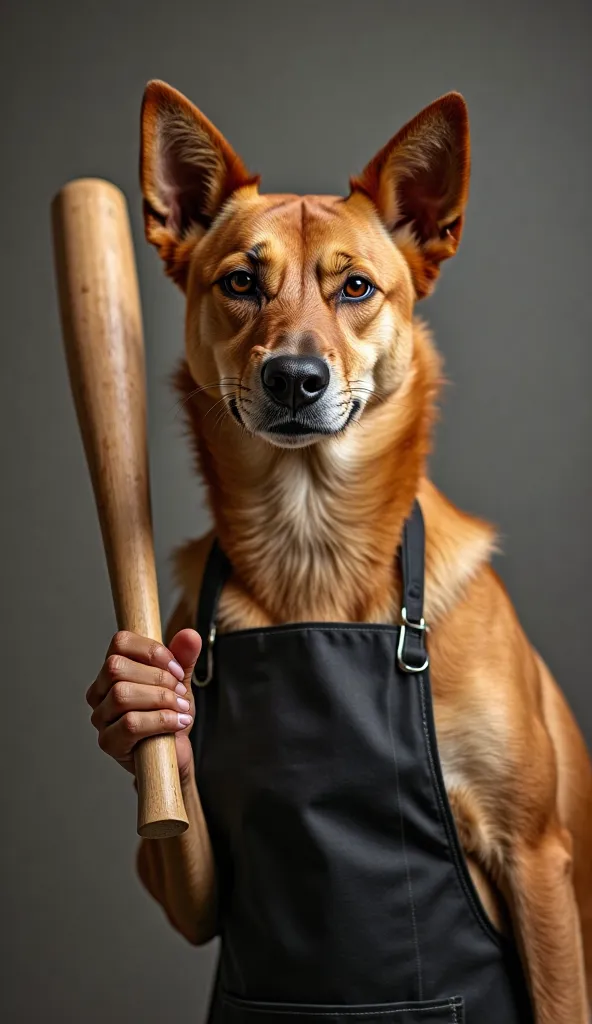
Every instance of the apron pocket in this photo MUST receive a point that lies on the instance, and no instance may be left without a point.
(436, 1011)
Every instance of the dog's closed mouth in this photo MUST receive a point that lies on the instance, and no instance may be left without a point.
(234, 410)
(295, 427)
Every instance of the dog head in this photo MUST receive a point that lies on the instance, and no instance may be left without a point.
(300, 309)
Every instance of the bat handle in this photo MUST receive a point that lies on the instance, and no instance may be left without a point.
(161, 812)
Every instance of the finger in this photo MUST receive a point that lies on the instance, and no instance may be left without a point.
(119, 739)
(125, 696)
(119, 669)
(185, 647)
(135, 648)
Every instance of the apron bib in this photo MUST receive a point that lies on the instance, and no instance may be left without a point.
(344, 894)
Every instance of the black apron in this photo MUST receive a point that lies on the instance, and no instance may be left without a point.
(343, 889)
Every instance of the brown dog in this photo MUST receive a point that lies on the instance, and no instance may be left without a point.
(337, 279)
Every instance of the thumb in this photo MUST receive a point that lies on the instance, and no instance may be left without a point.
(185, 646)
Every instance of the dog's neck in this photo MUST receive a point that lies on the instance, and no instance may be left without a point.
(312, 533)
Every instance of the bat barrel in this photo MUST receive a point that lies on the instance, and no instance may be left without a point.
(103, 340)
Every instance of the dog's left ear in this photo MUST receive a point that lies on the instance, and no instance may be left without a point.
(187, 170)
(419, 183)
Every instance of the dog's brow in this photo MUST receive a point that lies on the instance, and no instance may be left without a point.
(258, 253)
(340, 262)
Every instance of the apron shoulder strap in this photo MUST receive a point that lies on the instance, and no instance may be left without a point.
(412, 654)
(216, 573)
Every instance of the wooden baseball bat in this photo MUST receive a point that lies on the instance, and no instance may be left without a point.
(102, 329)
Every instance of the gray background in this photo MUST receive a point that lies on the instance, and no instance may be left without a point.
(306, 92)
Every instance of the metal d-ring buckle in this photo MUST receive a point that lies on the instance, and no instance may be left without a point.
(209, 661)
(421, 627)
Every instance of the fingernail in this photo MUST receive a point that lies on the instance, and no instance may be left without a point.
(183, 704)
(185, 720)
(180, 688)
(176, 670)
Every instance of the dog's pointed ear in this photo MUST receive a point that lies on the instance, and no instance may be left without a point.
(419, 183)
(187, 172)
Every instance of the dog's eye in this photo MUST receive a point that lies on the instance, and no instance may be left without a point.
(357, 288)
(240, 283)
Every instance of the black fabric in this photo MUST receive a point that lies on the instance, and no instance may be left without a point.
(216, 572)
(343, 889)
(412, 653)
(412, 564)
(240, 1011)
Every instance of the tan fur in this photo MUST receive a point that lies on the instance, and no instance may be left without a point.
(313, 532)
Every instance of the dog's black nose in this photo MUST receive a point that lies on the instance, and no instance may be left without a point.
(295, 381)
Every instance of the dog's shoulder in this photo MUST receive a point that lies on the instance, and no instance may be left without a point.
(238, 609)
(458, 547)
(188, 562)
